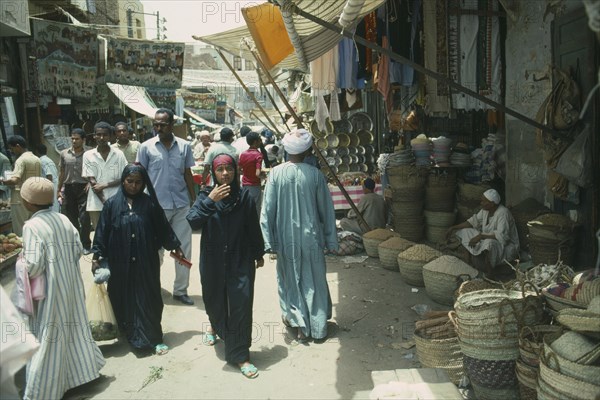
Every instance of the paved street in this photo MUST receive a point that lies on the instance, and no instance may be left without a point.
(371, 315)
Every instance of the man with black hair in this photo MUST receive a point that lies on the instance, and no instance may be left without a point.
(124, 143)
(27, 165)
(372, 208)
(224, 146)
(168, 160)
(74, 198)
(49, 171)
(250, 166)
(240, 144)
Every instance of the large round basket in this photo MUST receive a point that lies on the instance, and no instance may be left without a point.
(410, 230)
(557, 303)
(440, 353)
(475, 285)
(444, 275)
(411, 261)
(438, 180)
(484, 393)
(416, 193)
(440, 218)
(372, 239)
(558, 384)
(580, 370)
(470, 192)
(440, 198)
(466, 210)
(436, 234)
(531, 342)
(389, 250)
(496, 374)
(579, 320)
(407, 209)
(406, 176)
(512, 305)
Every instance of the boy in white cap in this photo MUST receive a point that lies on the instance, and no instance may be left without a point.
(490, 235)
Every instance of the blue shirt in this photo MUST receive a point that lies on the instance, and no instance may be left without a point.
(166, 168)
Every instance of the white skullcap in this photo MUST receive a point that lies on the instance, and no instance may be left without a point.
(297, 141)
(492, 195)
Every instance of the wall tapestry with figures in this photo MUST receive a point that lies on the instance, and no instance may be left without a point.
(144, 63)
(66, 59)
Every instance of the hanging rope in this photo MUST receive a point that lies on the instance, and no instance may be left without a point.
(350, 12)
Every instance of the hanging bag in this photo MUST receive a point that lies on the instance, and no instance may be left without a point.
(103, 323)
(27, 289)
(575, 163)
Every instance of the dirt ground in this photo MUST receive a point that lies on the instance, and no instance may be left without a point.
(372, 323)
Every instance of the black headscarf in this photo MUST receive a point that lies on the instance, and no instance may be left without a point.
(227, 204)
(120, 198)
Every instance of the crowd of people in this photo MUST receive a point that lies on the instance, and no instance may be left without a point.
(140, 199)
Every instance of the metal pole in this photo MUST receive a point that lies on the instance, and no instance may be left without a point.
(316, 150)
(248, 91)
(290, 7)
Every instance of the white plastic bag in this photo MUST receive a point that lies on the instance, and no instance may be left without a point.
(103, 323)
(575, 164)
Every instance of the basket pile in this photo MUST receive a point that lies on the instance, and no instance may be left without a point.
(569, 367)
(411, 262)
(444, 275)
(437, 345)
(488, 323)
(440, 191)
(408, 189)
(437, 224)
(468, 199)
(551, 238)
(372, 239)
(389, 250)
(526, 211)
(531, 346)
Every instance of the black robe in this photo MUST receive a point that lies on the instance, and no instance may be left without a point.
(231, 242)
(131, 239)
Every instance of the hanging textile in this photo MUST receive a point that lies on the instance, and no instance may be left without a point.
(66, 59)
(324, 77)
(436, 55)
(383, 77)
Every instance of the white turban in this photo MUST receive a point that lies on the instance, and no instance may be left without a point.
(297, 141)
(492, 195)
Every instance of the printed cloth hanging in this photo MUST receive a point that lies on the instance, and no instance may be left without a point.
(324, 80)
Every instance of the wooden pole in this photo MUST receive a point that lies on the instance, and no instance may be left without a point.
(248, 91)
(316, 150)
(262, 83)
(290, 7)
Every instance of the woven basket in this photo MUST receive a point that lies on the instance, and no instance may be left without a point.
(411, 261)
(492, 350)
(483, 393)
(495, 374)
(412, 231)
(407, 209)
(527, 377)
(531, 342)
(576, 370)
(440, 198)
(492, 303)
(440, 218)
(475, 285)
(372, 239)
(389, 250)
(440, 353)
(406, 176)
(443, 276)
(557, 303)
(436, 234)
(566, 386)
(466, 211)
(579, 320)
(416, 193)
(470, 192)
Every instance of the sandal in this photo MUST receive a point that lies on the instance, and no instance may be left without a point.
(249, 371)
(209, 338)
(161, 349)
(286, 322)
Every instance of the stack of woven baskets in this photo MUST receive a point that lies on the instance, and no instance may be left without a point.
(389, 250)
(527, 366)
(407, 184)
(469, 199)
(437, 224)
(372, 240)
(551, 238)
(437, 344)
(444, 275)
(488, 323)
(569, 367)
(526, 211)
(412, 260)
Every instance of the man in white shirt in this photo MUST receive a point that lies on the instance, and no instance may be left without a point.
(102, 167)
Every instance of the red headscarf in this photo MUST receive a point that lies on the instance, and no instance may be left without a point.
(222, 159)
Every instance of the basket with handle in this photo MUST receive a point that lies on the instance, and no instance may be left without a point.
(531, 342)
(527, 377)
(575, 370)
(440, 353)
(492, 374)
(554, 380)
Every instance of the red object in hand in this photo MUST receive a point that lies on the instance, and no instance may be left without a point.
(181, 260)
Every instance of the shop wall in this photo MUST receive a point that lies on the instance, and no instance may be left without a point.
(528, 57)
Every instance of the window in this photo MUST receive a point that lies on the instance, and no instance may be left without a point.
(249, 65)
(138, 25)
(237, 63)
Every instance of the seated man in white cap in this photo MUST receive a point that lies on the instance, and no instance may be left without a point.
(490, 236)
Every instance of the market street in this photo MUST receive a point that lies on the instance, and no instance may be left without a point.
(370, 317)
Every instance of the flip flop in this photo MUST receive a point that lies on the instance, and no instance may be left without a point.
(249, 371)
(209, 338)
(161, 349)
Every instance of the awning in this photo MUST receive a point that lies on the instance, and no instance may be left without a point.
(134, 97)
(200, 119)
(312, 39)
